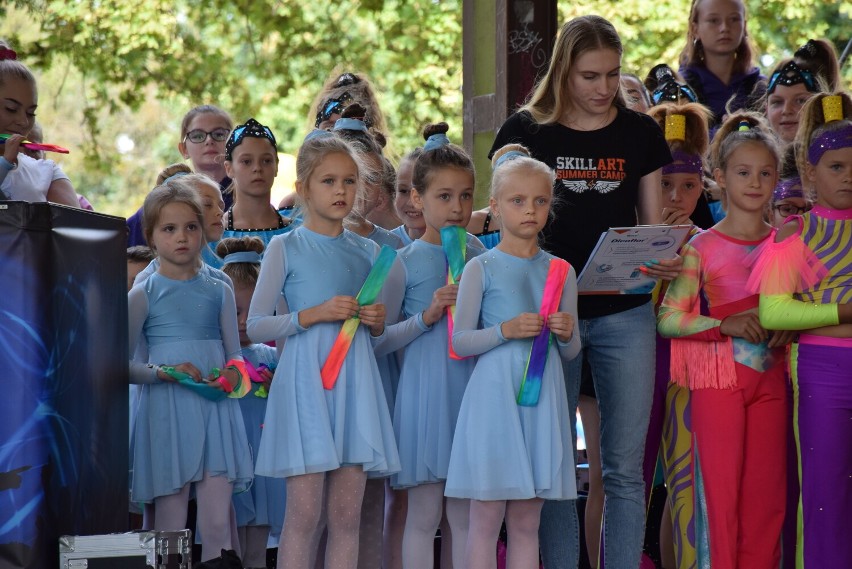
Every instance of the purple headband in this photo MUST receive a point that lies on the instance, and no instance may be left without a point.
(830, 140)
(789, 188)
(684, 163)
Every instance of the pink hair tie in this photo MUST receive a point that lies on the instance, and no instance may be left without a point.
(6, 53)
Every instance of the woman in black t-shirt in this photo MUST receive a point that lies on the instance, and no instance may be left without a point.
(607, 160)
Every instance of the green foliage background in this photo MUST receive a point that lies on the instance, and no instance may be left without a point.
(131, 68)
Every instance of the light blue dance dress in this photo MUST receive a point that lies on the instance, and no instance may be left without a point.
(178, 435)
(208, 252)
(309, 429)
(264, 503)
(431, 384)
(388, 363)
(403, 235)
(503, 451)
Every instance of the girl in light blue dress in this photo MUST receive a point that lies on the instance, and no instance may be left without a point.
(508, 457)
(324, 441)
(186, 434)
(431, 384)
(369, 210)
(259, 511)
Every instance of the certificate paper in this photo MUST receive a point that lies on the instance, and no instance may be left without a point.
(613, 267)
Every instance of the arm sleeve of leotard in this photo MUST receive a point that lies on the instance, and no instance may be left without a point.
(398, 332)
(263, 323)
(137, 312)
(229, 326)
(468, 338)
(568, 303)
(679, 315)
(783, 312)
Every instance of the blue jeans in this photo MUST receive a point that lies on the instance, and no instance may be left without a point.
(621, 352)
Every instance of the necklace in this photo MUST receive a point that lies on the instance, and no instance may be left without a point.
(574, 125)
(281, 222)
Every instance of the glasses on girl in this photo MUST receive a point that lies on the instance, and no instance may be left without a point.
(788, 209)
(198, 136)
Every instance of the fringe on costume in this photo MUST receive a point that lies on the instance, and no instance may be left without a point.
(697, 364)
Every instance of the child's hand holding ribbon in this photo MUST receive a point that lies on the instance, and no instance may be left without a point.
(175, 372)
(562, 326)
(334, 309)
(373, 316)
(442, 299)
(524, 325)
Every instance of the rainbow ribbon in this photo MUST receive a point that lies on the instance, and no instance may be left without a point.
(205, 390)
(202, 389)
(367, 295)
(531, 383)
(36, 145)
(256, 377)
(454, 242)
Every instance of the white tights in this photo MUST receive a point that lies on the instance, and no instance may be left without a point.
(425, 506)
(303, 513)
(522, 519)
(215, 522)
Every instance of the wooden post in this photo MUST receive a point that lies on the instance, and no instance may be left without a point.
(506, 46)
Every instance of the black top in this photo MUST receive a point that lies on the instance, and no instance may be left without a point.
(597, 185)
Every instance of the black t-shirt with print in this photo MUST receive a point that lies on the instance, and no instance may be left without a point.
(597, 185)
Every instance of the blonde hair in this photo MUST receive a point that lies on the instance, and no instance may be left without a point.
(242, 272)
(693, 51)
(360, 89)
(524, 163)
(812, 124)
(549, 100)
(729, 137)
(697, 120)
(313, 152)
(173, 191)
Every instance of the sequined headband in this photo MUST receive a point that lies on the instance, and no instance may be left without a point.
(672, 91)
(789, 75)
(507, 157)
(832, 110)
(830, 140)
(251, 129)
(332, 107)
(436, 141)
(242, 257)
(684, 163)
(789, 188)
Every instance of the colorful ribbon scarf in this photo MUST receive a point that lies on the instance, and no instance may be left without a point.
(205, 390)
(531, 383)
(256, 374)
(367, 295)
(36, 145)
(454, 243)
